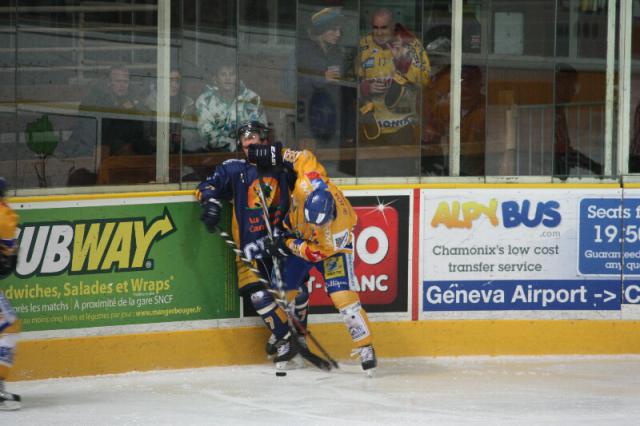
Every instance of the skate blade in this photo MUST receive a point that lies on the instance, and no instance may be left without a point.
(370, 372)
(10, 405)
(295, 363)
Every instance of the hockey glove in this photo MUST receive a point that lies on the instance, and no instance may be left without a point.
(204, 191)
(276, 247)
(266, 156)
(7, 264)
(211, 210)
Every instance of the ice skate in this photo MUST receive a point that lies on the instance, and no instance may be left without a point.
(368, 359)
(272, 350)
(8, 401)
(287, 356)
(270, 347)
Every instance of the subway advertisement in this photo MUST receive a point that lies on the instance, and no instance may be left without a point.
(118, 262)
(558, 251)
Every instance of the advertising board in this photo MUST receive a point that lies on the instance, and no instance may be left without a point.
(381, 253)
(524, 250)
(118, 262)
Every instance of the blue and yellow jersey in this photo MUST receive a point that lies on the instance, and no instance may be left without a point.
(8, 225)
(312, 242)
(375, 64)
(237, 181)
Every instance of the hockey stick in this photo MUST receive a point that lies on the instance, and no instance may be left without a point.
(279, 283)
(314, 359)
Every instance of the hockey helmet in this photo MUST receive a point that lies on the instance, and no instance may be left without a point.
(248, 127)
(319, 207)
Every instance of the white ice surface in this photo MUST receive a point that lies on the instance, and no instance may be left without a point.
(405, 391)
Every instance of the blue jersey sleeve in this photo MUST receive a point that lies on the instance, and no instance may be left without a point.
(217, 186)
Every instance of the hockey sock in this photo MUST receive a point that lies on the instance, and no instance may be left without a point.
(302, 305)
(354, 316)
(273, 316)
(8, 340)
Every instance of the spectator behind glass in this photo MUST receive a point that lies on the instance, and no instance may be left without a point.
(224, 104)
(182, 127)
(393, 68)
(119, 113)
(326, 85)
(435, 130)
(118, 106)
(566, 156)
(326, 97)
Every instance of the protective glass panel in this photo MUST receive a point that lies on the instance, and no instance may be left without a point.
(207, 58)
(8, 130)
(266, 40)
(435, 100)
(634, 125)
(184, 79)
(325, 78)
(363, 83)
(545, 77)
(83, 72)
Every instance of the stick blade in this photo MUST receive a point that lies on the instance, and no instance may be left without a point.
(312, 358)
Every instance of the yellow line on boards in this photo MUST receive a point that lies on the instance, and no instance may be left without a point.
(80, 197)
(484, 185)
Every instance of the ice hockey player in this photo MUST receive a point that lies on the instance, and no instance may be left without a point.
(237, 181)
(319, 233)
(9, 322)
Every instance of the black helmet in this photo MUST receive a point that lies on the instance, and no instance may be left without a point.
(253, 127)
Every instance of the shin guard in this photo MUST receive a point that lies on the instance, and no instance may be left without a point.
(354, 316)
(273, 316)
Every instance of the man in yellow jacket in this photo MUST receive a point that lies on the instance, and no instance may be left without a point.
(9, 323)
(318, 232)
(393, 67)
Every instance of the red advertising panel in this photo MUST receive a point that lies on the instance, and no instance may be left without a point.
(376, 258)
(381, 260)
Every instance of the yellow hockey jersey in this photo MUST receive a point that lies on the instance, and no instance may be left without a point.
(376, 64)
(8, 225)
(312, 242)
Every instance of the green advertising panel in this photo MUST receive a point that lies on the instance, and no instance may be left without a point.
(105, 265)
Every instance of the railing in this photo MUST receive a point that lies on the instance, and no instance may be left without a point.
(530, 133)
(82, 39)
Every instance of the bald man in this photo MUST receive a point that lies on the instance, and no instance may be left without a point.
(393, 68)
